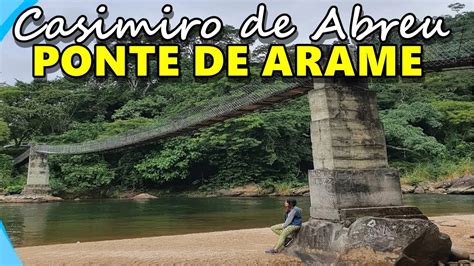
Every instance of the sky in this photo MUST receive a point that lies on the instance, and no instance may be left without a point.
(16, 61)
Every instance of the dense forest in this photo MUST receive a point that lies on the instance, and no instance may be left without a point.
(428, 125)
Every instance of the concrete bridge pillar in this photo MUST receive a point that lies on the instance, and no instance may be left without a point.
(357, 215)
(38, 173)
(351, 177)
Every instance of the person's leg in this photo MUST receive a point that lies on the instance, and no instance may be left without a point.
(277, 229)
(284, 234)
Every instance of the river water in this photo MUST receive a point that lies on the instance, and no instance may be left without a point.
(72, 221)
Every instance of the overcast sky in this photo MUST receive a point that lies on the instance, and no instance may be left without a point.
(16, 63)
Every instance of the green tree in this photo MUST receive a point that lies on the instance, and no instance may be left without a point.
(4, 133)
(408, 128)
(87, 174)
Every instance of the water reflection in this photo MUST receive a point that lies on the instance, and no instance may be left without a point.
(69, 222)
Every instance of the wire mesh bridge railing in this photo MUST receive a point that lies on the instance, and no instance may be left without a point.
(441, 56)
(244, 100)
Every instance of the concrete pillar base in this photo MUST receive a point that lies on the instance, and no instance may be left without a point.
(344, 195)
(37, 181)
(36, 190)
(335, 192)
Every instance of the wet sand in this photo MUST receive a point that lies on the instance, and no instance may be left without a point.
(460, 228)
(238, 247)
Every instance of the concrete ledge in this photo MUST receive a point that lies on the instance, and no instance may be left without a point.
(399, 212)
(349, 215)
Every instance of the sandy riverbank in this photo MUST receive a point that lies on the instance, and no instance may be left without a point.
(215, 248)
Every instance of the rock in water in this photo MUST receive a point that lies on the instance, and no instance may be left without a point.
(31, 198)
(300, 191)
(144, 196)
(249, 190)
(408, 189)
(419, 190)
(463, 185)
(371, 240)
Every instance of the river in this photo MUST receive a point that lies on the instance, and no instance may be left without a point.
(73, 221)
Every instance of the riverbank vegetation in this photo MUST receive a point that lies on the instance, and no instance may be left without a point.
(428, 125)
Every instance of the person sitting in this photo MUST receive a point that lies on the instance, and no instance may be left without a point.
(293, 220)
